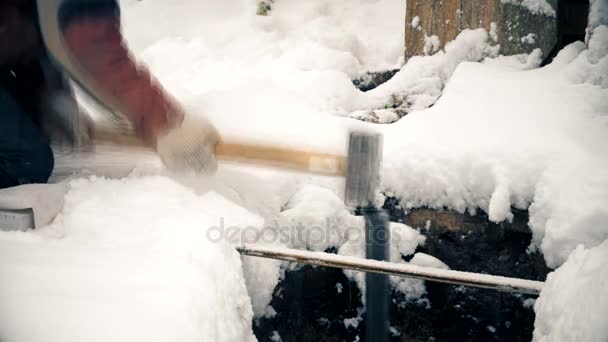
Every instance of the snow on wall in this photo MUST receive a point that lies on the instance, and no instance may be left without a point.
(534, 6)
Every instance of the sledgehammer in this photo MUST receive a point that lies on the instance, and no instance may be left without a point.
(360, 167)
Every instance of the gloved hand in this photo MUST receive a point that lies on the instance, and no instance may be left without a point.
(189, 146)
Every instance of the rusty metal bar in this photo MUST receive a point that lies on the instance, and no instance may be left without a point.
(499, 283)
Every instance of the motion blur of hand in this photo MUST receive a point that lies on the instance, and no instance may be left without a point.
(189, 146)
(96, 45)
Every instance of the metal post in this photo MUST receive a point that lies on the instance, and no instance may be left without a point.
(377, 295)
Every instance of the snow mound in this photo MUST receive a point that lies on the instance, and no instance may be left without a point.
(315, 219)
(496, 140)
(591, 66)
(127, 260)
(420, 82)
(598, 14)
(573, 305)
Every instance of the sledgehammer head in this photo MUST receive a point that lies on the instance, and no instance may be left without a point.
(363, 168)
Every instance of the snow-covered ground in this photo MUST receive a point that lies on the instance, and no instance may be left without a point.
(144, 257)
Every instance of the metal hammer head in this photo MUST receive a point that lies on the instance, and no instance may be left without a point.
(363, 168)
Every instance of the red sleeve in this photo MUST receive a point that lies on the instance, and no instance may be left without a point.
(96, 46)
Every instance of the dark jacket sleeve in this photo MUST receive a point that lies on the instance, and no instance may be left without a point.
(71, 10)
(19, 37)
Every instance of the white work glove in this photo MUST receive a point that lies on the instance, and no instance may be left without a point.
(190, 146)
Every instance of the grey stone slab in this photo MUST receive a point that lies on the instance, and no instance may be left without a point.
(16, 220)
(42, 201)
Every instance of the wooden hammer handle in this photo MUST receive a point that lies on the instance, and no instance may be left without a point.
(300, 160)
(314, 162)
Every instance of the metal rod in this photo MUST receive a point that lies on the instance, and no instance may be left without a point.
(377, 295)
(499, 283)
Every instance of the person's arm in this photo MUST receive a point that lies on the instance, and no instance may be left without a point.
(91, 32)
(84, 36)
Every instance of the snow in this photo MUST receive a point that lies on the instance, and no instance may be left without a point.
(447, 166)
(425, 260)
(574, 304)
(530, 38)
(482, 131)
(352, 322)
(598, 14)
(415, 22)
(534, 6)
(125, 256)
(591, 66)
(493, 33)
(275, 337)
(314, 218)
(421, 81)
(529, 303)
(431, 44)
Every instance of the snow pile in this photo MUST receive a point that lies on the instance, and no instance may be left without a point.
(358, 35)
(127, 260)
(315, 219)
(462, 154)
(566, 213)
(517, 62)
(591, 65)
(534, 6)
(573, 306)
(421, 81)
(500, 136)
(598, 14)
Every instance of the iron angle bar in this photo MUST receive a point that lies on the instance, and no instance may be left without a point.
(480, 280)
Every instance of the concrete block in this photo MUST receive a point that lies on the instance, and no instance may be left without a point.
(16, 220)
(39, 203)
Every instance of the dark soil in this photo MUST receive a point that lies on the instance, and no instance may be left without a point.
(371, 80)
(311, 307)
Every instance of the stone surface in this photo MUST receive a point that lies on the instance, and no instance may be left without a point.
(447, 18)
(13, 220)
(371, 80)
